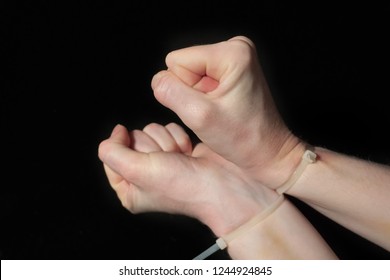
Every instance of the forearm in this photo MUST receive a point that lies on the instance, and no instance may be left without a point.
(285, 234)
(353, 192)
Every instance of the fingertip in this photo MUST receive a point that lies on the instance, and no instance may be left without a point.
(104, 145)
(120, 135)
(164, 85)
(169, 58)
(104, 149)
(117, 129)
(156, 79)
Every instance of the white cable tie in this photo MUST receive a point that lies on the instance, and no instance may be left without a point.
(307, 158)
(221, 243)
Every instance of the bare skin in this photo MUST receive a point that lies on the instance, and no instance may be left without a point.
(339, 186)
(219, 91)
(157, 170)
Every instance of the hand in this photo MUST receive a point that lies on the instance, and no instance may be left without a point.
(157, 170)
(219, 91)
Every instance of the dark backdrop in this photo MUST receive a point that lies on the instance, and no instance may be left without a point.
(74, 70)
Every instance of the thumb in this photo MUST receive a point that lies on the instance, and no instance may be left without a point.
(192, 106)
(115, 153)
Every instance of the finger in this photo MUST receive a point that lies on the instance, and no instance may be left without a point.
(202, 150)
(113, 178)
(125, 191)
(181, 137)
(162, 137)
(206, 67)
(193, 107)
(120, 135)
(202, 83)
(115, 153)
(206, 84)
(243, 39)
(214, 61)
(198, 61)
(142, 142)
(119, 185)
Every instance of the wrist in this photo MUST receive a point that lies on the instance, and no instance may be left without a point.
(258, 243)
(237, 208)
(284, 234)
(282, 165)
(242, 203)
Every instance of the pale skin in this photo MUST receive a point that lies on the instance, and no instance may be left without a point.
(157, 169)
(219, 91)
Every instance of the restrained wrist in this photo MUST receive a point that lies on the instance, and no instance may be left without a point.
(308, 157)
(284, 164)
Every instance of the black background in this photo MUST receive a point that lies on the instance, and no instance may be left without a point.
(71, 71)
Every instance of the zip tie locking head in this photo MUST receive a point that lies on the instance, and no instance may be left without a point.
(309, 156)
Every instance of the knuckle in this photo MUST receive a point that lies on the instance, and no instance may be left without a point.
(185, 143)
(181, 137)
(152, 127)
(243, 39)
(173, 125)
(242, 50)
(172, 147)
(245, 53)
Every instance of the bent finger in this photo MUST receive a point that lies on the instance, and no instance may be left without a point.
(142, 142)
(193, 107)
(115, 153)
(181, 137)
(162, 137)
(243, 39)
(202, 60)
